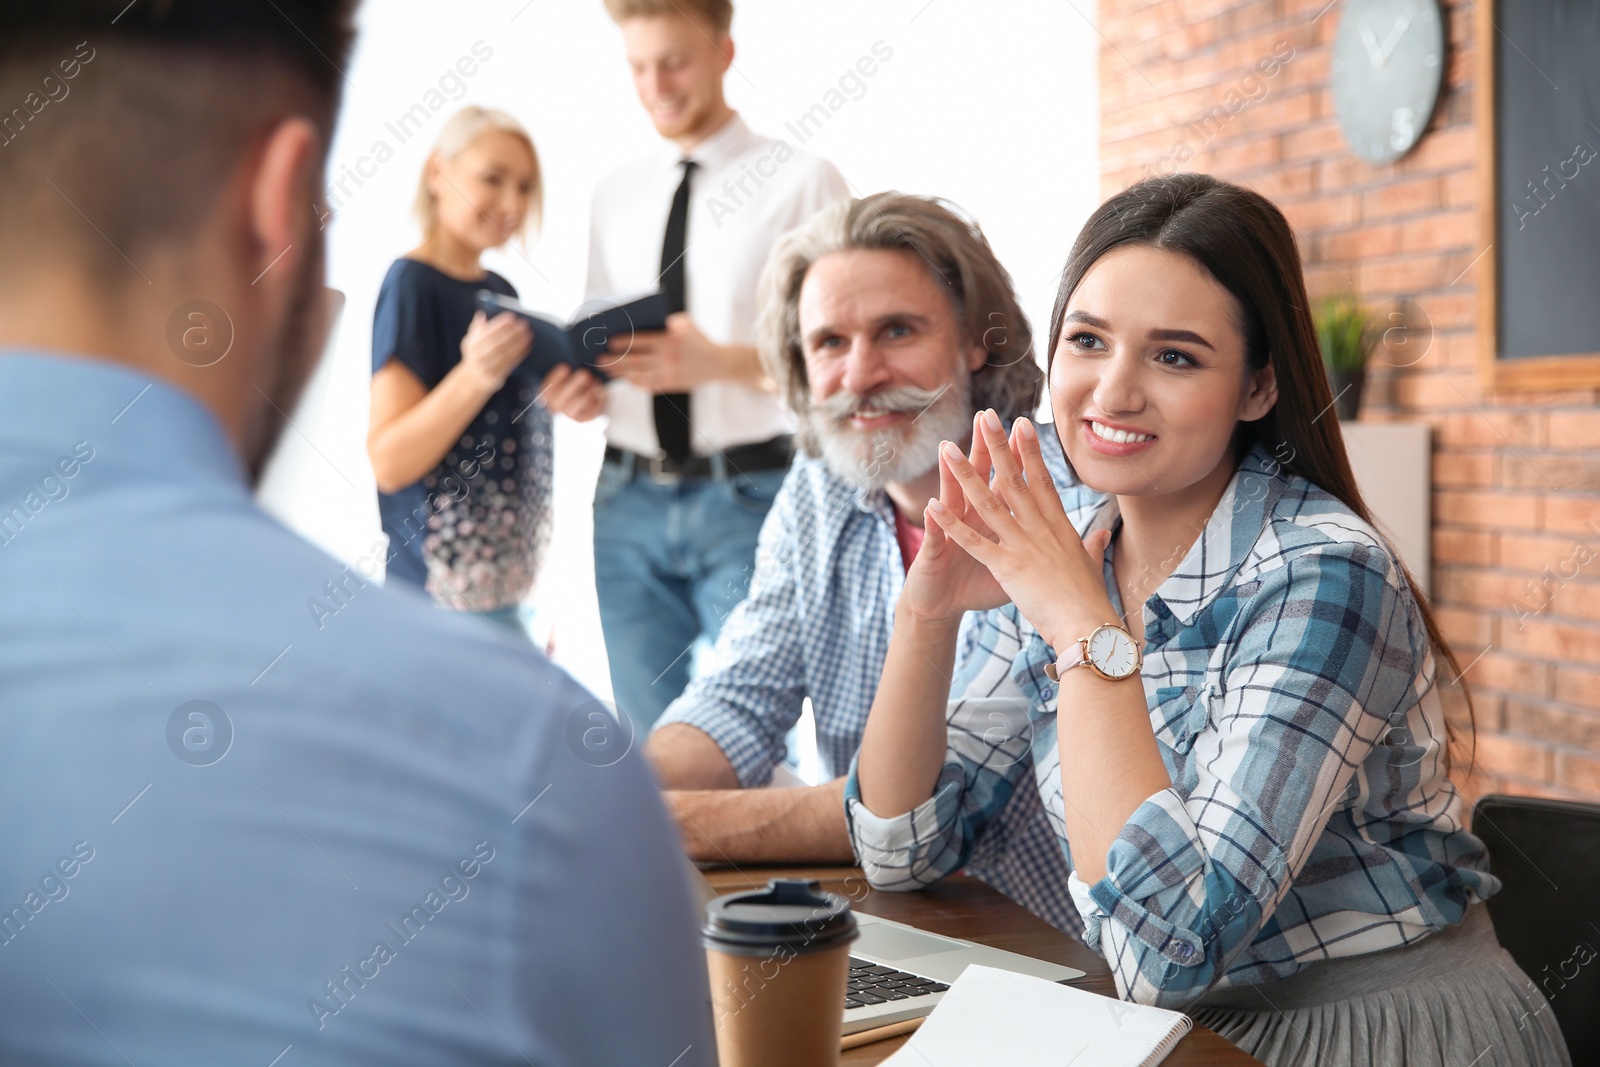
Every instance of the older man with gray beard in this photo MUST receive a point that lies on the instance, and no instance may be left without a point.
(886, 322)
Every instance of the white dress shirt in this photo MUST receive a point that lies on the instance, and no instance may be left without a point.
(747, 190)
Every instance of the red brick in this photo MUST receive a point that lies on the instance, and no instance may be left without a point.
(1442, 149)
(1576, 600)
(1455, 229)
(1484, 427)
(1343, 171)
(1498, 754)
(1236, 158)
(1458, 351)
(1307, 70)
(1556, 473)
(1542, 638)
(1405, 274)
(1461, 188)
(1510, 674)
(1460, 67)
(1462, 546)
(1487, 510)
(1577, 686)
(1197, 9)
(1281, 183)
(1450, 311)
(1522, 787)
(1492, 591)
(1239, 17)
(1279, 111)
(1572, 514)
(1572, 728)
(1534, 552)
(1429, 390)
(1322, 213)
(1323, 278)
(1465, 629)
(1402, 198)
(1188, 39)
(1486, 714)
(1545, 399)
(1368, 241)
(1581, 773)
(1415, 351)
(1574, 429)
(1464, 469)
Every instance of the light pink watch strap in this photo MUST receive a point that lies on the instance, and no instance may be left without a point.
(1072, 657)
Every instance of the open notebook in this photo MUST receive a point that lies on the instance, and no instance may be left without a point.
(992, 1016)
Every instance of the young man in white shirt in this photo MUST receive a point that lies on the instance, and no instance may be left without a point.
(698, 441)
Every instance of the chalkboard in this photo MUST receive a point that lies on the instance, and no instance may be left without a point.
(1539, 67)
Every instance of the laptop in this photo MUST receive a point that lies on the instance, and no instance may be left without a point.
(898, 972)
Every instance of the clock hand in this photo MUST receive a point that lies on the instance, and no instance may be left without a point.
(1393, 39)
(1370, 43)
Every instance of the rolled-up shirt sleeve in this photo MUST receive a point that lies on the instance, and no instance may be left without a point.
(1318, 664)
(756, 687)
(987, 753)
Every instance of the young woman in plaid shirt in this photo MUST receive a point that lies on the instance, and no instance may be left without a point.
(1224, 675)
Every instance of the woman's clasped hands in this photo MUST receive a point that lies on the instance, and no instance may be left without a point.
(997, 532)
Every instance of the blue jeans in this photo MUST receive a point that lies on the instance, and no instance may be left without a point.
(670, 563)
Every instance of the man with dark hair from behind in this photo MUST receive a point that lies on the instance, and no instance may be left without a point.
(239, 833)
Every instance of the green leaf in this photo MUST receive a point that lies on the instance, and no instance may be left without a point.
(1342, 333)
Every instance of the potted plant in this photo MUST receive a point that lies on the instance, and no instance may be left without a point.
(1345, 337)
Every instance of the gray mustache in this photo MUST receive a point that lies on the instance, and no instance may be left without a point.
(843, 404)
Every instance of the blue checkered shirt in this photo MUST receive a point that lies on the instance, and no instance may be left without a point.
(1290, 683)
(816, 624)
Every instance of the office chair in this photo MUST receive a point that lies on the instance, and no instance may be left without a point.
(1547, 852)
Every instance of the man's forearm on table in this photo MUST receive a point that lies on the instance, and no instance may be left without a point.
(686, 757)
(803, 825)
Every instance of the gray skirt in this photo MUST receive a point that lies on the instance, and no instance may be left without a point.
(1454, 998)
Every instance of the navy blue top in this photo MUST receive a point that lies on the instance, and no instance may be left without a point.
(472, 531)
(248, 814)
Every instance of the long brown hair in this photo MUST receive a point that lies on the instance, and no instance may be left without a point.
(1243, 241)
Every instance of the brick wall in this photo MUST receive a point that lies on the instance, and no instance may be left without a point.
(1239, 89)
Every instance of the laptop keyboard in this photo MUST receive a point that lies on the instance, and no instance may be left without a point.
(871, 983)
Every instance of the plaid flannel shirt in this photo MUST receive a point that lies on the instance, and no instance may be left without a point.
(1290, 684)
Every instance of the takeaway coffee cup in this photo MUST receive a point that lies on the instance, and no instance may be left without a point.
(779, 958)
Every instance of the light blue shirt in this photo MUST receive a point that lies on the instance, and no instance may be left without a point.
(241, 828)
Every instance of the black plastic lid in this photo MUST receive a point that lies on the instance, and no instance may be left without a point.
(791, 913)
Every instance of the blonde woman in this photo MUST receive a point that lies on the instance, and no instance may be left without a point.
(460, 443)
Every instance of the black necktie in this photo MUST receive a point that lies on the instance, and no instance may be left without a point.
(672, 409)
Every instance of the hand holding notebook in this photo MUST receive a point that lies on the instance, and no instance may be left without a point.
(584, 342)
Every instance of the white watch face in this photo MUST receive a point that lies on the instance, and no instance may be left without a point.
(1113, 651)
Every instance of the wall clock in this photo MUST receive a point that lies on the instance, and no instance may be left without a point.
(1386, 72)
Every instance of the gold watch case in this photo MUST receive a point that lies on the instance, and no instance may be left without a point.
(1119, 670)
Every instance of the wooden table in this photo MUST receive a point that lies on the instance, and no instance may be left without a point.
(967, 908)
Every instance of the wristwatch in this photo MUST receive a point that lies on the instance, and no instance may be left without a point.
(1109, 651)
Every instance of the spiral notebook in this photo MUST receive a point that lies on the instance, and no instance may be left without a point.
(992, 1016)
